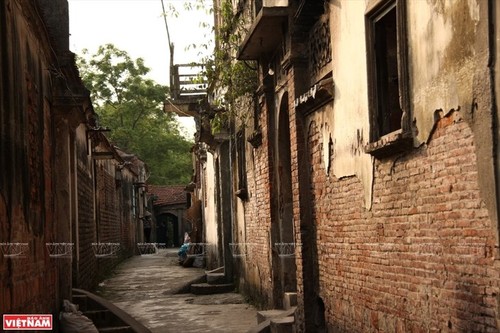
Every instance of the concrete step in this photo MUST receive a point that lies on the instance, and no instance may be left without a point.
(282, 325)
(264, 327)
(210, 289)
(266, 318)
(274, 313)
(216, 278)
(217, 270)
(269, 314)
(289, 300)
(186, 287)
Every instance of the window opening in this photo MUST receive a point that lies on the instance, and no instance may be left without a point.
(389, 111)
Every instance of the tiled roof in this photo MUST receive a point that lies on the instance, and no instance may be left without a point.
(168, 195)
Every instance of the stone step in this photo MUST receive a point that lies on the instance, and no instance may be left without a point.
(269, 314)
(274, 313)
(217, 270)
(274, 321)
(216, 278)
(282, 325)
(264, 327)
(210, 289)
(289, 300)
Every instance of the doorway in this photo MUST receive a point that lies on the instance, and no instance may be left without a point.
(167, 230)
(282, 229)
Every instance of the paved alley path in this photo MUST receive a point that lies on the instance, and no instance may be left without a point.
(143, 286)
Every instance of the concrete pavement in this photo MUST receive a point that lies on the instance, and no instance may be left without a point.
(144, 287)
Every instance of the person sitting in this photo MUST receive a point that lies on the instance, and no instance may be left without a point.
(183, 251)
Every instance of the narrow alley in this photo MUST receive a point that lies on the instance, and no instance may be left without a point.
(147, 287)
(344, 173)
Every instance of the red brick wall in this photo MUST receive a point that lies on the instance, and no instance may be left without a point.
(128, 222)
(422, 259)
(106, 227)
(257, 264)
(109, 221)
(32, 179)
(302, 215)
(84, 276)
(110, 224)
(29, 283)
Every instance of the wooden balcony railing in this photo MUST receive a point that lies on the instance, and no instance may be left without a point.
(188, 82)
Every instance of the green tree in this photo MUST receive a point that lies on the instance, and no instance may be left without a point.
(132, 107)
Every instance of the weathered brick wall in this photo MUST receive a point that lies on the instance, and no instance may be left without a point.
(128, 222)
(113, 222)
(257, 266)
(423, 258)
(302, 220)
(108, 218)
(28, 283)
(39, 171)
(111, 227)
(84, 276)
(109, 223)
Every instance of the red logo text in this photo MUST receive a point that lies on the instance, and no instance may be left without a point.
(41, 322)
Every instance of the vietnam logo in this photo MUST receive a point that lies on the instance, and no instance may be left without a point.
(42, 322)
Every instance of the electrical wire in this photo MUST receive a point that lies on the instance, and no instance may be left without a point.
(178, 110)
(166, 24)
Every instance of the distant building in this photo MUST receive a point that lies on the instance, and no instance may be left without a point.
(169, 207)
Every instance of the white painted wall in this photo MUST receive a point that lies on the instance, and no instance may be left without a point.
(347, 118)
(442, 66)
(210, 210)
(442, 58)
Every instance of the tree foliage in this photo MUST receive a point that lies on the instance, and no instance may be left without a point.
(132, 106)
(230, 78)
(233, 79)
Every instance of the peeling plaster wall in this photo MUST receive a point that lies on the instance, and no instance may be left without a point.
(240, 222)
(460, 77)
(442, 58)
(210, 209)
(443, 64)
(347, 120)
(432, 221)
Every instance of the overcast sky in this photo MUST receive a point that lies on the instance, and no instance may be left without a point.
(138, 27)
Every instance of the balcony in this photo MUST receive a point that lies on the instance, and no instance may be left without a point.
(188, 89)
(266, 31)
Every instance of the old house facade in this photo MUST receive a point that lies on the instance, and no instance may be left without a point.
(365, 178)
(64, 189)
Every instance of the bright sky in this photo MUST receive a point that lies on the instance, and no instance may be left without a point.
(138, 27)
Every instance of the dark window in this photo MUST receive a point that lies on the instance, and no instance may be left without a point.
(387, 73)
(389, 112)
(242, 172)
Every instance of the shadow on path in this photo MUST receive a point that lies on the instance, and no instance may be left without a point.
(144, 287)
